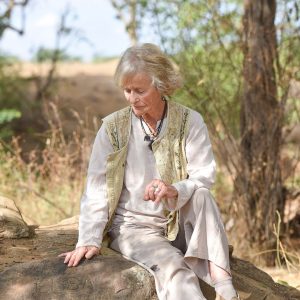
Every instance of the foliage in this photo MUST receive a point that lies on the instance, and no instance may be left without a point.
(12, 95)
(7, 115)
(204, 39)
(10, 84)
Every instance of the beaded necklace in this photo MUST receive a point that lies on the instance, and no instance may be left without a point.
(153, 136)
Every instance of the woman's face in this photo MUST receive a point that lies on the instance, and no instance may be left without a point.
(143, 97)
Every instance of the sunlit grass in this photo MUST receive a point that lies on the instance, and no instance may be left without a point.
(47, 184)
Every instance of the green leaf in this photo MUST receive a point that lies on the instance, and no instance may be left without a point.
(7, 115)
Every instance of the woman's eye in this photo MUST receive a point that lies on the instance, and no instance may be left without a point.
(140, 91)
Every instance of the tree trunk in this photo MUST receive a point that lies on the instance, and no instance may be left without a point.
(260, 185)
(132, 24)
(127, 13)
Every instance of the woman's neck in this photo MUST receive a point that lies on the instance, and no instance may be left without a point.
(152, 118)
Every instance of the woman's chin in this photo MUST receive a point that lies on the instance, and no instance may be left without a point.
(138, 112)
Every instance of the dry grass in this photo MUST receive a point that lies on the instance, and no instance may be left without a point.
(47, 184)
(28, 69)
(284, 276)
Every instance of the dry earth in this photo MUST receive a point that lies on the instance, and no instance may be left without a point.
(90, 90)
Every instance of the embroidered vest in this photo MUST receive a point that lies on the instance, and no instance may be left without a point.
(168, 150)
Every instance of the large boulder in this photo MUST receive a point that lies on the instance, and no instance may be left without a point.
(110, 276)
(40, 274)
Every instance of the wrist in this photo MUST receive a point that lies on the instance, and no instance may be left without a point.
(173, 193)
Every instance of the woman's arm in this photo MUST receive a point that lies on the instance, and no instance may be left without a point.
(201, 168)
(94, 205)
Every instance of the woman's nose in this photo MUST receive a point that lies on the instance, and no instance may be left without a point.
(133, 98)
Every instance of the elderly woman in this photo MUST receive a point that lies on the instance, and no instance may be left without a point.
(148, 184)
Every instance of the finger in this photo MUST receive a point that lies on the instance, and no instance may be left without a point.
(157, 190)
(161, 185)
(62, 254)
(162, 194)
(68, 256)
(71, 259)
(74, 256)
(149, 190)
(146, 193)
(79, 255)
(91, 252)
(151, 193)
(157, 184)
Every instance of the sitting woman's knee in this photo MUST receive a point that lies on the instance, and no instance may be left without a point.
(203, 193)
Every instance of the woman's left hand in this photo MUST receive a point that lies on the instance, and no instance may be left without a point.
(157, 190)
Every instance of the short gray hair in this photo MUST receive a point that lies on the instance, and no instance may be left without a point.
(148, 58)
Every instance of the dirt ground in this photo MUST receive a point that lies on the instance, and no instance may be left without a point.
(90, 91)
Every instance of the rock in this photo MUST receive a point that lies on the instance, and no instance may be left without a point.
(12, 224)
(254, 284)
(108, 276)
(104, 277)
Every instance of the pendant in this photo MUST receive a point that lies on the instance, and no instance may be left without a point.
(147, 138)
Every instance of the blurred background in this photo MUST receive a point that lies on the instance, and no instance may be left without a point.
(241, 70)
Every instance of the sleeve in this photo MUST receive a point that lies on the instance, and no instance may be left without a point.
(94, 205)
(201, 166)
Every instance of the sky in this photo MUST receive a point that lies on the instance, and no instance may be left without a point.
(99, 32)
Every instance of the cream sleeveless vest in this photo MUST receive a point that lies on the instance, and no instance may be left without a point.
(168, 150)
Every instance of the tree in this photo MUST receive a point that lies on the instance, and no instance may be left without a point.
(260, 187)
(5, 16)
(237, 76)
(65, 35)
(130, 12)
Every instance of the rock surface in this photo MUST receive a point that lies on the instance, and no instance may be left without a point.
(110, 276)
(30, 269)
(105, 277)
(254, 284)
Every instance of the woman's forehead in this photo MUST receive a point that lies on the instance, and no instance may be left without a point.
(136, 80)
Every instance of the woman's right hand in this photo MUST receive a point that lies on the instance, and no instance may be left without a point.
(73, 258)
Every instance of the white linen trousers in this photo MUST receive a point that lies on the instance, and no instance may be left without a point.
(176, 266)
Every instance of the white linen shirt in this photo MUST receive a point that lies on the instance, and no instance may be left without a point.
(140, 169)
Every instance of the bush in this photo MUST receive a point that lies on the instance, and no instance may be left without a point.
(12, 94)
